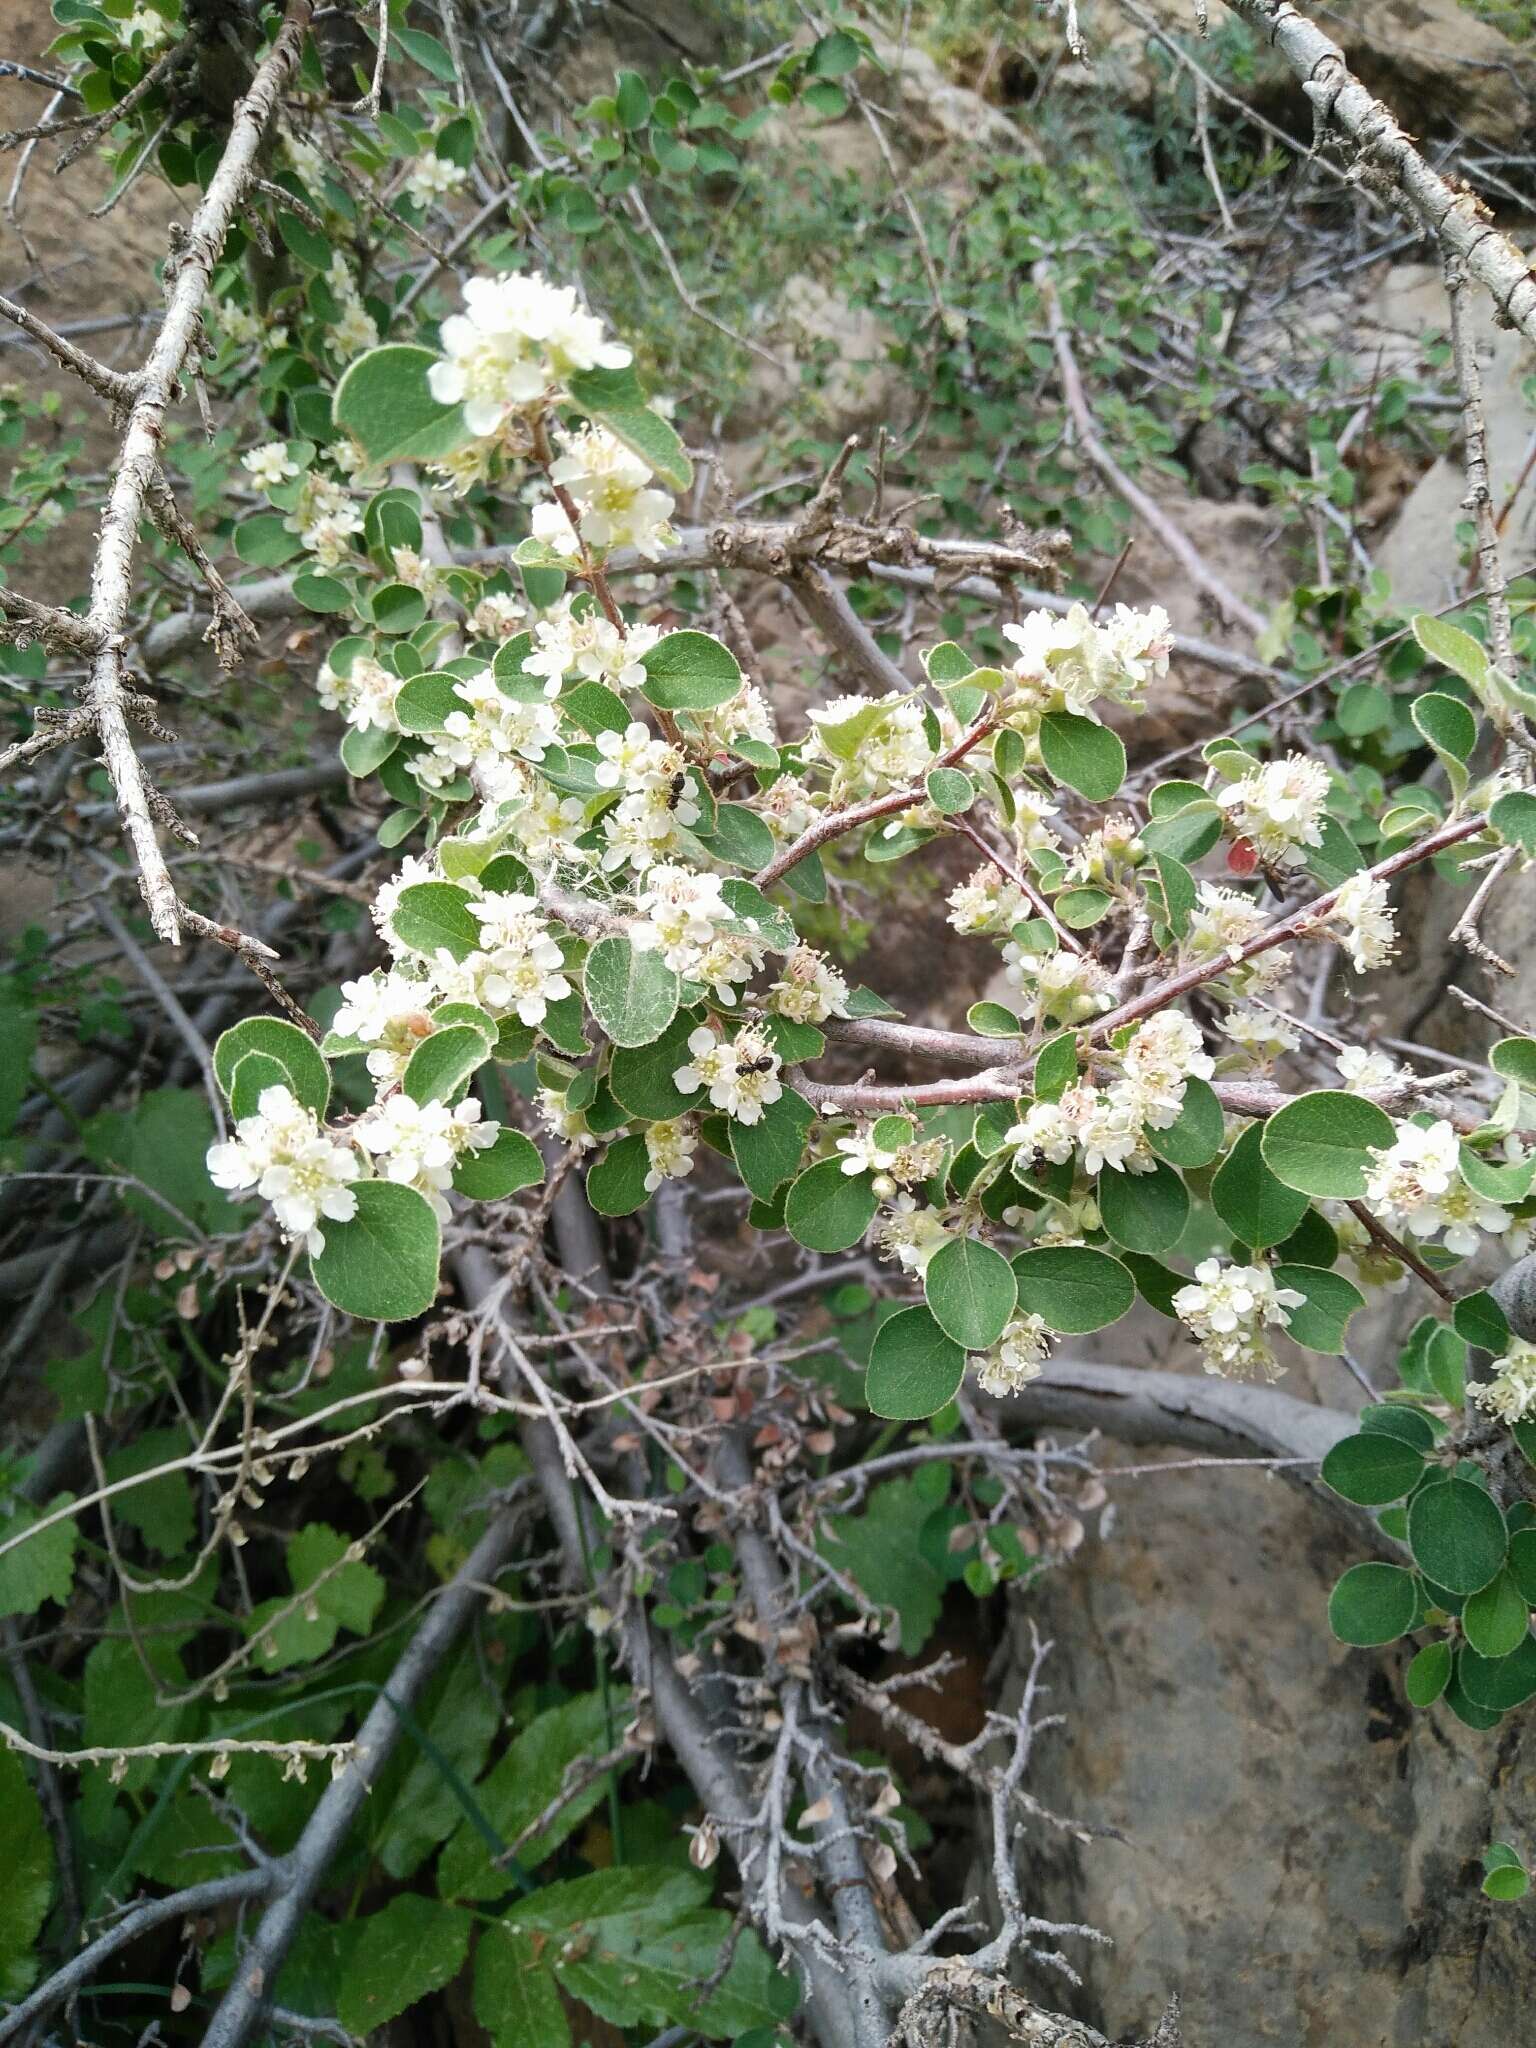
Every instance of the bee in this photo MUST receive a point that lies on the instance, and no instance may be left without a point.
(763, 1064)
(675, 790)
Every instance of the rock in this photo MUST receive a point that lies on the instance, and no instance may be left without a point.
(1423, 569)
(836, 352)
(1300, 1862)
(916, 87)
(1432, 62)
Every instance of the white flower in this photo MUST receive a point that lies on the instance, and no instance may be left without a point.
(328, 536)
(787, 808)
(568, 1125)
(1068, 988)
(741, 1074)
(911, 1235)
(355, 332)
(1046, 1132)
(433, 178)
(238, 325)
(419, 1144)
(1017, 1357)
(1409, 1178)
(669, 1147)
(146, 27)
(517, 336)
(1279, 808)
(1367, 1073)
(1262, 1034)
(682, 911)
(283, 1153)
(1107, 1126)
(488, 737)
(497, 616)
(1511, 1393)
(612, 489)
(387, 1012)
(575, 639)
(1230, 1309)
(986, 902)
(1165, 1052)
(416, 571)
(365, 696)
(270, 464)
(549, 825)
(1368, 931)
(862, 1155)
(809, 988)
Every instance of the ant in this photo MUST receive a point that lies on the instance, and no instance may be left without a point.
(675, 790)
(763, 1064)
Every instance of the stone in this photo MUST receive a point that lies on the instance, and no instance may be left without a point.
(1433, 63)
(1425, 572)
(1300, 1852)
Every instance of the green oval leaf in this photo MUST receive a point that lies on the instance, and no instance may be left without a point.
(383, 1264)
(1145, 1212)
(616, 1183)
(1513, 817)
(950, 790)
(287, 1047)
(768, 1152)
(433, 915)
(1428, 1675)
(1372, 1469)
(1329, 1300)
(1457, 1536)
(1496, 1620)
(1196, 1135)
(1253, 1204)
(828, 1210)
(441, 1065)
(384, 403)
(1083, 754)
(1320, 1143)
(914, 1368)
(1074, 1288)
(1373, 1603)
(972, 1292)
(513, 1162)
(633, 995)
(690, 671)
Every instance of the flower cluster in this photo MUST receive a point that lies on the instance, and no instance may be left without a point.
(1070, 663)
(1415, 1184)
(1363, 919)
(740, 1073)
(289, 1160)
(325, 519)
(1278, 808)
(1018, 1356)
(615, 501)
(431, 179)
(1510, 1393)
(656, 797)
(420, 1143)
(496, 730)
(809, 989)
(518, 338)
(365, 695)
(1230, 1311)
(686, 918)
(896, 749)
